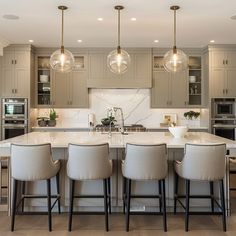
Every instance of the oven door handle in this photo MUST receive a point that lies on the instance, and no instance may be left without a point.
(14, 127)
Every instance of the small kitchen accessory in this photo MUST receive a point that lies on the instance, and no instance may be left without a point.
(178, 131)
(91, 119)
(44, 78)
(192, 78)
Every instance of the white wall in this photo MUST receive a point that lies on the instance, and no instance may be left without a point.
(134, 102)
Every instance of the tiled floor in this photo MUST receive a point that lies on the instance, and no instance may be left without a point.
(139, 225)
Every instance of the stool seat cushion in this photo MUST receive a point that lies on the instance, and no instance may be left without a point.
(89, 162)
(145, 162)
(33, 162)
(205, 162)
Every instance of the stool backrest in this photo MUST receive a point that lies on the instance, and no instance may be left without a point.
(31, 162)
(144, 162)
(204, 161)
(87, 162)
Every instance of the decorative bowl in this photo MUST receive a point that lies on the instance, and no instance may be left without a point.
(178, 131)
(44, 78)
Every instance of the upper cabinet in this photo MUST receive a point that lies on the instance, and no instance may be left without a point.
(16, 71)
(222, 71)
(178, 90)
(61, 90)
(138, 75)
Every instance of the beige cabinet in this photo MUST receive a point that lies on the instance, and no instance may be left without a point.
(70, 90)
(169, 90)
(139, 74)
(16, 72)
(223, 58)
(222, 72)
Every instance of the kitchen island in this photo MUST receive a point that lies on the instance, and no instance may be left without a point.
(117, 142)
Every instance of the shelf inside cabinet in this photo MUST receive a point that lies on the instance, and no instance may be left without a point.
(158, 62)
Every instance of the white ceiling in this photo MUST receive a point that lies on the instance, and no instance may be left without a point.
(198, 21)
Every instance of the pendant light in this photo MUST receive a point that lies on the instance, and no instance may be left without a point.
(118, 60)
(175, 60)
(62, 60)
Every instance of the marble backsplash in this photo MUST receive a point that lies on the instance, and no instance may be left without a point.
(134, 102)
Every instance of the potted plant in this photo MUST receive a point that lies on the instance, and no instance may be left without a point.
(191, 114)
(108, 121)
(42, 121)
(52, 118)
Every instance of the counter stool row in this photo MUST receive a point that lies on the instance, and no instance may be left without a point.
(201, 162)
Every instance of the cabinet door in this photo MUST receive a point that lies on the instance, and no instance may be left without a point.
(78, 90)
(231, 59)
(60, 89)
(160, 89)
(8, 81)
(218, 59)
(230, 82)
(96, 66)
(8, 59)
(179, 90)
(22, 82)
(217, 83)
(22, 59)
(143, 69)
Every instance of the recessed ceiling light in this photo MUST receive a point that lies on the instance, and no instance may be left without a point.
(79, 40)
(100, 19)
(133, 19)
(212, 41)
(156, 41)
(233, 17)
(31, 40)
(10, 17)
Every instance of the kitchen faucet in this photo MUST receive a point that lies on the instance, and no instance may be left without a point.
(122, 130)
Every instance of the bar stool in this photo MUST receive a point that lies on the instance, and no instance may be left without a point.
(145, 162)
(89, 162)
(232, 170)
(32, 163)
(202, 162)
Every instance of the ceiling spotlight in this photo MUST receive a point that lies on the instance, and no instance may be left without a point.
(100, 19)
(133, 19)
(79, 40)
(156, 41)
(212, 41)
(31, 40)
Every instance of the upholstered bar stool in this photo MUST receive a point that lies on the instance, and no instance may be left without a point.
(89, 162)
(145, 162)
(232, 161)
(202, 162)
(33, 163)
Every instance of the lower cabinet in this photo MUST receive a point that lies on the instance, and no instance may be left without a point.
(169, 90)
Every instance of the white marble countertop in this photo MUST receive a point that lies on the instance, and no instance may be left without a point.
(80, 127)
(61, 139)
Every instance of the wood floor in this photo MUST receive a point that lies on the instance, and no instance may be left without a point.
(94, 225)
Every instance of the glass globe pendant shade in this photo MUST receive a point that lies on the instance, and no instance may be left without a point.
(118, 61)
(175, 60)
(62, 60)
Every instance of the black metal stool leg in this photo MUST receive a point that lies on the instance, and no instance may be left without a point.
(212, 195)
(49, 204)
(222, 197)
(72, 190)
(176, 186)
(23, 199)
(164, 204)
(109, 193)
(124, 194)
(58, 192)
(105, 204)
(187, 182)
(128, 192)
(15, 182)
(160, 195)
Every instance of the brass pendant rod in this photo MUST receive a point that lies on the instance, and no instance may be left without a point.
(174, 28)
(119, 28)
(62, 28)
